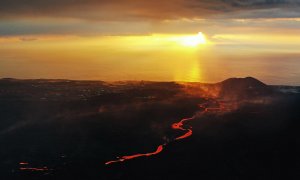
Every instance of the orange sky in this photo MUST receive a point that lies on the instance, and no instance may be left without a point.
(151, 40)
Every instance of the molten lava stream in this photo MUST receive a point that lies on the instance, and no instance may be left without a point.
(26, 168)
(123, 158)
(34, 169)
(179, 126)
(176, 126)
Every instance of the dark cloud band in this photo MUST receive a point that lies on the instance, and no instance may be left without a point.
(133, 9)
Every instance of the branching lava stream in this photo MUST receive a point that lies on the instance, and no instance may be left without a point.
(210, 106)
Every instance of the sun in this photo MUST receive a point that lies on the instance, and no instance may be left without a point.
(194, 40)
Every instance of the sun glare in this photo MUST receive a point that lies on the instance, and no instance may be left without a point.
(194, 40)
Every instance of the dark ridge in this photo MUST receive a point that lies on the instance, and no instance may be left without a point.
(234, 88)
(245, 81)
(7, 79)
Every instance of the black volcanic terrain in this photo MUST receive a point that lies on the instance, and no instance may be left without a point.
(239, 128)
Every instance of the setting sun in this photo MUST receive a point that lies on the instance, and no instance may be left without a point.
(194, 40)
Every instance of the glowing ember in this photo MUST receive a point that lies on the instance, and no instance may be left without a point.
(23, 163)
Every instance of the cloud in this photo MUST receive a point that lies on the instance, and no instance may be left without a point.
(123, 17)
(109, 10)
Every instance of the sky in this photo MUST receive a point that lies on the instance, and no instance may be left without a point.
(151, 40)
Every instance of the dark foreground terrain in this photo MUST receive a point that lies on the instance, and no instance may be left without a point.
(60, 129)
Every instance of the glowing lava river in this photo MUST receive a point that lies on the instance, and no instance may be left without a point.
(210, 106)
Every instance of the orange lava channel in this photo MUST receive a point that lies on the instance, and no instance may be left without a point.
(34, 169)
(179, 126)
(220, 107)
(123, 158)
(31, 168)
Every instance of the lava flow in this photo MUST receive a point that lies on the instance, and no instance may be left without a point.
(34, 169)
(211, 106)
(179, 126)
(123, 158)
(31, 168)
